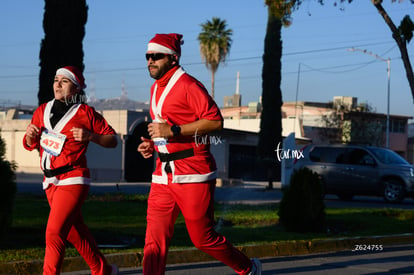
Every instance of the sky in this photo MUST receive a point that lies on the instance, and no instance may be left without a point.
(317, 63)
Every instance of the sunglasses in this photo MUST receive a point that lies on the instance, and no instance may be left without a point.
(155, 56)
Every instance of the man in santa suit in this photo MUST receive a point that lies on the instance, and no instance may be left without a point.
(61, 130)
(185, 175)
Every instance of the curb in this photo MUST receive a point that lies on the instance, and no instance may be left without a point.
(193, 255)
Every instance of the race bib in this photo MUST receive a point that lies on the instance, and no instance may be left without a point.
(52, 142)
(160, 141)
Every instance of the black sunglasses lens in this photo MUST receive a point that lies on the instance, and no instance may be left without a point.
(154, 56)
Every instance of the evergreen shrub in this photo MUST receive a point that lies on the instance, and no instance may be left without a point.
(302, 208)
(8, 190)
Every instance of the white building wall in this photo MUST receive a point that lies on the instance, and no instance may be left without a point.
(12, 132)
(118, 119)
(289, 125)
(105, 163)
(220, 153)
(251, 125)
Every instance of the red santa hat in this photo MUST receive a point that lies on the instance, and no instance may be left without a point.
(166, 43)
(73, 74)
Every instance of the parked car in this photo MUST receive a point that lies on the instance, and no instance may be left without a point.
(349, 170)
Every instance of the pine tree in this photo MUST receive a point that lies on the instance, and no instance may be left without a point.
(270, 134)
(64, 27)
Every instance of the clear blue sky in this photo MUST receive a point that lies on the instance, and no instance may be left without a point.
(117, 33)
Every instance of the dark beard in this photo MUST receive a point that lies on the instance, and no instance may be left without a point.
(156, 74)
(161, 70)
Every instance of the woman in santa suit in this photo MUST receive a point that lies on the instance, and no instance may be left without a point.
(61, 130)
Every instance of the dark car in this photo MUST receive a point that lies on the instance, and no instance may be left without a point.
(349, 170)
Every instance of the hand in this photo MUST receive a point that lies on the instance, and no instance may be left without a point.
(146, 148)
(82, 135)
(32, 132)
(160, 130)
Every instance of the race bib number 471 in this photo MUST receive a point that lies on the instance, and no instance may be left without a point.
(52, 142)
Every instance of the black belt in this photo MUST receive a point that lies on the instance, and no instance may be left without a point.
(50, 173)
(165, 157)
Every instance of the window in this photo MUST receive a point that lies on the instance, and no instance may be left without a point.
(327, 154)
(397, 126)
(388, 156)
(359, 157)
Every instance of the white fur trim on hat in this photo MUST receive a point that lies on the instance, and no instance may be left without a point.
(154, 47)
(68, 74)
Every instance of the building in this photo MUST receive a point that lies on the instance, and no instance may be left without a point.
(233, 149)
(340, 121)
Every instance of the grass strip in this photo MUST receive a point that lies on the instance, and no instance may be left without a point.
(118, 221)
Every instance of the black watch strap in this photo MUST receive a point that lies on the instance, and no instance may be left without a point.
(176, 130)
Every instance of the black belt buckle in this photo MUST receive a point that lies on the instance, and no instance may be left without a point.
(48, 173)
(167, 168)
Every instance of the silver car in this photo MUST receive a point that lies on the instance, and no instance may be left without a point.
(349, 170)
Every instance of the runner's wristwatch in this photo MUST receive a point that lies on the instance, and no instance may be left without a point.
(176, 130)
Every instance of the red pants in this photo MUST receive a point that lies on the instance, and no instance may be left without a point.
(196, 202)
(66, 223)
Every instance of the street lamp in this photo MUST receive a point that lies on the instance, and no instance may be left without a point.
(388, 60)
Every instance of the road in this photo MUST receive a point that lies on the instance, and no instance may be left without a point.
(391, 260)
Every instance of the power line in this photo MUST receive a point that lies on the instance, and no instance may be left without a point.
(334, 49)
(360, 65)
(228, 61)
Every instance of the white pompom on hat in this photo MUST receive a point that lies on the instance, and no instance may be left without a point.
(166, 43)
(73, 74)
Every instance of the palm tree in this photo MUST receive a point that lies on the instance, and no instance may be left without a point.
(215, 42)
